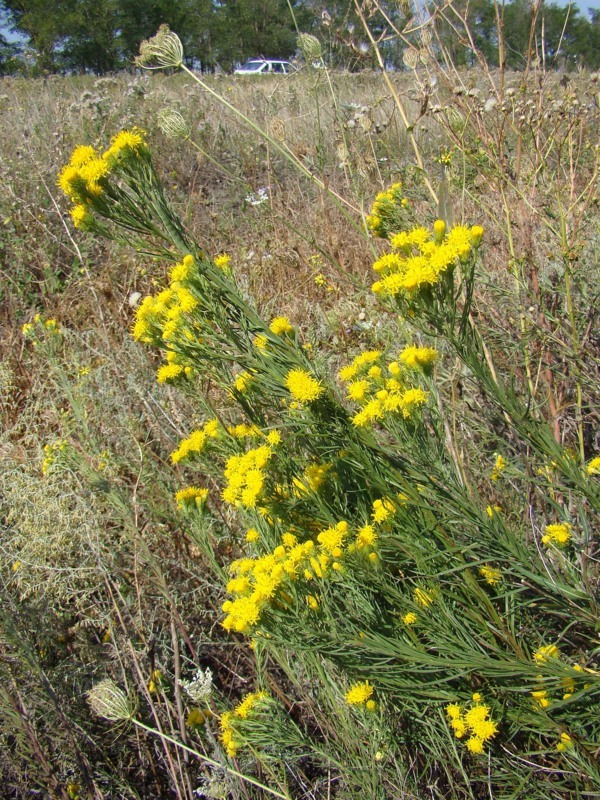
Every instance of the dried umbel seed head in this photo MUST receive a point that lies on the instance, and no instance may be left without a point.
(277, 129)
(110, 702)
(310, 47)
(411, 57)
(426, 37)
(172, 124)
(163, 50)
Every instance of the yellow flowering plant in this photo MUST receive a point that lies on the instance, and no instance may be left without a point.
(360, 543)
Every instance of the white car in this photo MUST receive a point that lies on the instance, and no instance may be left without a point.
(265, 66)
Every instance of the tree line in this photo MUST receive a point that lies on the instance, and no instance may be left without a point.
(101, 36)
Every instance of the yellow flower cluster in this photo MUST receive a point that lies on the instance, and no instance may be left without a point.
(361, 694)
(162, 316)
(379, 390)
(170, 372)
(196, 441)
(499, 467)
(574, 672)
(245, 477)
(84, 178)
(475, 722)
(419, 357)
(384, 214)
(313, 478)
(422, 256)
(257, 582)
(29, 328)
(191, 496)
(383, 509)
(303, 387)
(559, 534)
(422, 597)
(249, 705)
(50, 453)
(545, 653)
(490, 575)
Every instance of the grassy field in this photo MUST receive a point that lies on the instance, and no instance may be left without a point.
(482, 500)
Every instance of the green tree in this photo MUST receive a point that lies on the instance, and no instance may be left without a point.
(43, 23)
(246, 28)
(91, 41)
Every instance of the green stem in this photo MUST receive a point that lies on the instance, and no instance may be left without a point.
(211, 761)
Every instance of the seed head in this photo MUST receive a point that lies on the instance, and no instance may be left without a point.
(172, 124)
(110, 702)
(163, 50)
(310, 47)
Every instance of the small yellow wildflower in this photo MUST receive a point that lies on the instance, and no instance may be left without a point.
(80, 215)
(223, 262)
(565, 743)
(475, 745)
(248, 704)
(242, 382)
(312, 602)
(422, 597)
(281, 326)
(593, 467)
(303, 386)
(192, 495)
(491, 510)
(545, 653)
(559, 534)
(196, 718)
(540, 697)
(490, 575)
(169, 372)
(252, 535)
(126, 143)
(499, 467)
(419, 357)
(260, 342)
(366, 537)
(274, 438)
(81, 155)
(359, 693)
(383, 509)
(409, 618)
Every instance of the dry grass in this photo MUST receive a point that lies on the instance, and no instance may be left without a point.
(99, 576)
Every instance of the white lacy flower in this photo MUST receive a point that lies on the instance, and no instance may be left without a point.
(200, 687)
(257, 198)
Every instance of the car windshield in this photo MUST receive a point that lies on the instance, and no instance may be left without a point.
(252, 66)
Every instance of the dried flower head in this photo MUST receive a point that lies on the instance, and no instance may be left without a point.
(162, 50)
(310, 47)
(172, 124)
(110, 702)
